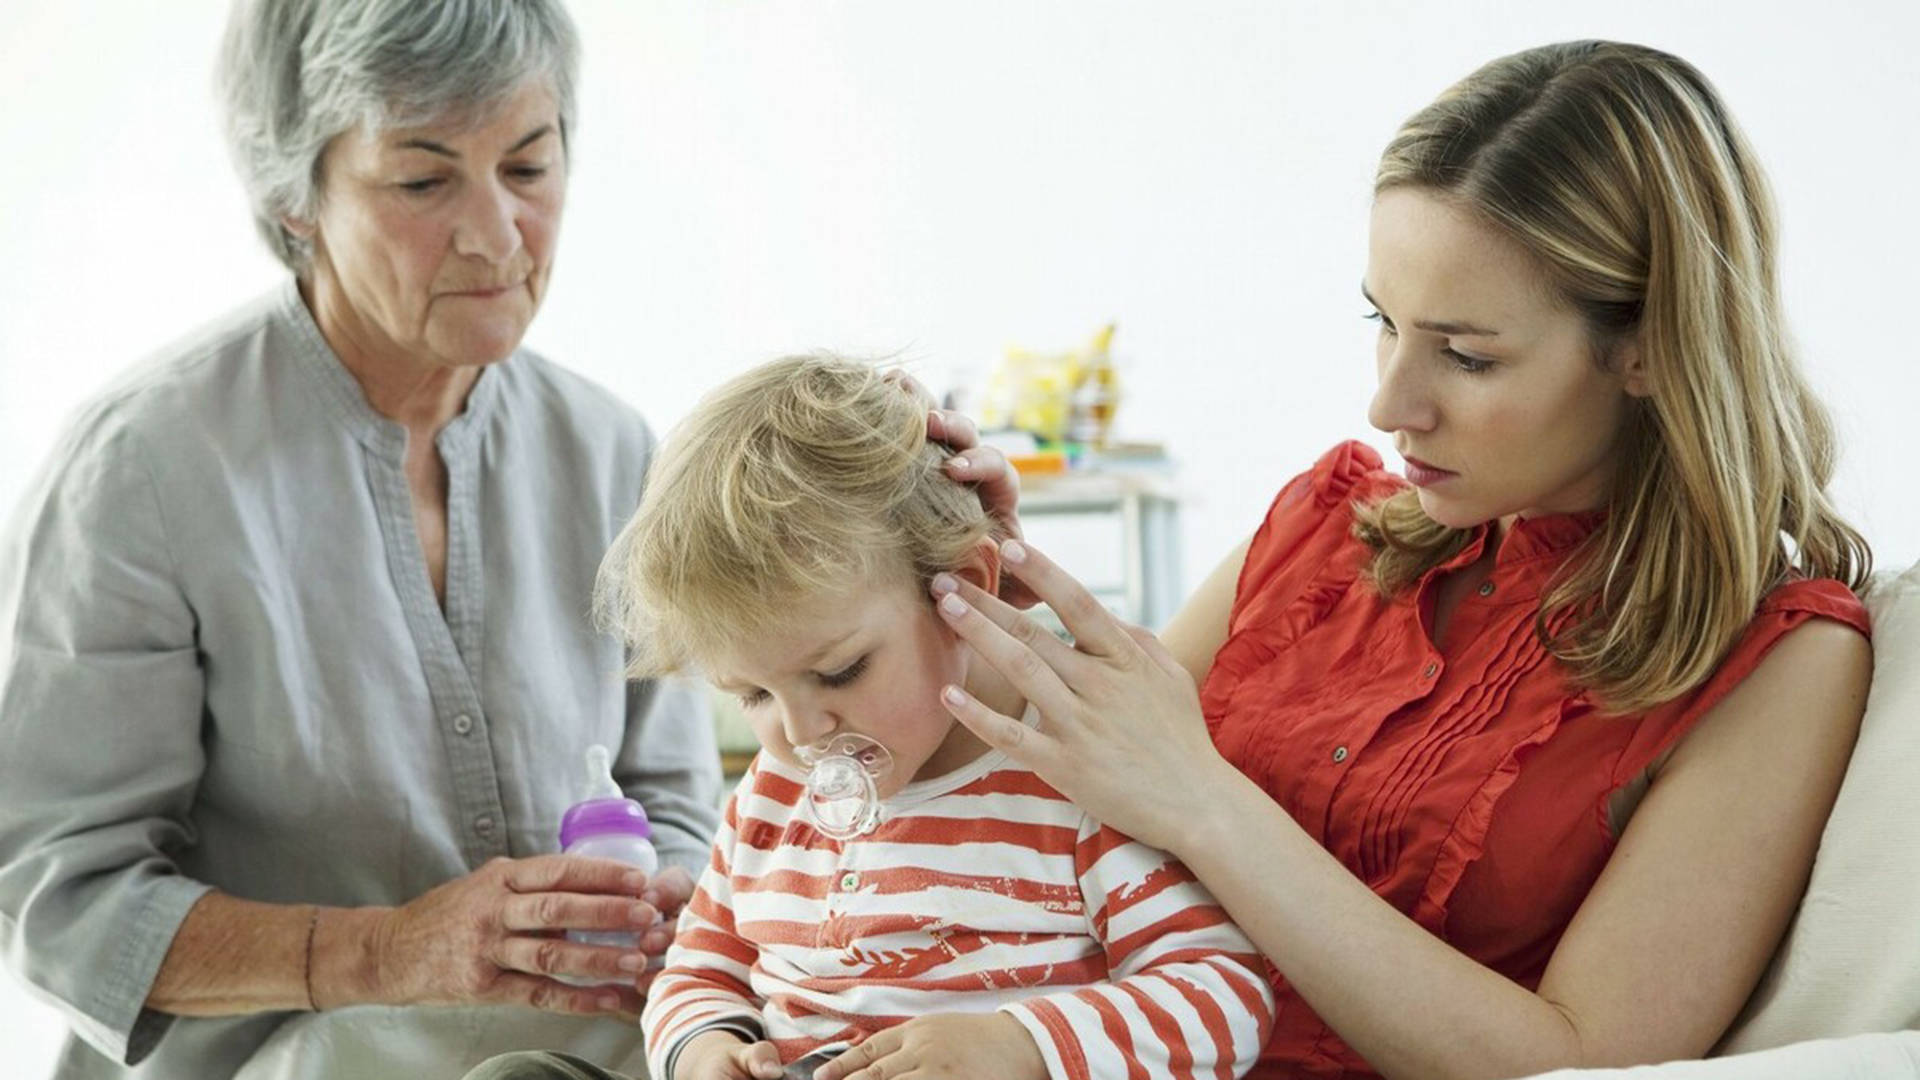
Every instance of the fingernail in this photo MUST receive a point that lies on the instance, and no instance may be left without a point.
(636, 881)
(945, 583)
(953, 605)
(608, 1003)
(651, 897)
(1013, 551)
(956, 463)
(633, 961)
(954, 696)
(641, 914)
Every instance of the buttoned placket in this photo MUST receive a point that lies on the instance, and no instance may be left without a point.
(447, 640)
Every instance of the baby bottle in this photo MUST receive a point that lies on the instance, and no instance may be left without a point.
(607, 825)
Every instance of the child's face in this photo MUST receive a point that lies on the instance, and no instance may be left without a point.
(872, 662)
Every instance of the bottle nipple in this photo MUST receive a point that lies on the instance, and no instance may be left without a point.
(843, 796)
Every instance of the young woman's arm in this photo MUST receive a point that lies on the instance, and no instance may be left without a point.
(1657, 961)
(1199, 628)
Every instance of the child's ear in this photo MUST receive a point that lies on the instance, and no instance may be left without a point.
(981, 568)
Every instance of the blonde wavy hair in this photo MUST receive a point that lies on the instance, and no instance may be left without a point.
(807, 477)
(1620, 170)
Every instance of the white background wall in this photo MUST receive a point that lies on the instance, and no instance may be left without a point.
(943, 179)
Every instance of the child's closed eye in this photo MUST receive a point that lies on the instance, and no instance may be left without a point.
(846, 674)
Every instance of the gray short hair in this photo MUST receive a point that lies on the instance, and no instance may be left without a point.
(295, 73)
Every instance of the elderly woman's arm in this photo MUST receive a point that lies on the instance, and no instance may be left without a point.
(460, 942)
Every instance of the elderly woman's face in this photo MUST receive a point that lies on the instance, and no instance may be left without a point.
(438, 239)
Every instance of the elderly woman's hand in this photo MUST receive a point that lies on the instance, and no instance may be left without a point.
(496, 936)
(1121, 730)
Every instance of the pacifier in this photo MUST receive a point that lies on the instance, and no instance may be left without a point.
(843, 794)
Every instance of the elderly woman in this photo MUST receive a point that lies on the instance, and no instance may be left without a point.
(296, 670)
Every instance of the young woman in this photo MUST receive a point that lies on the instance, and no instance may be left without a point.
(1520, 761)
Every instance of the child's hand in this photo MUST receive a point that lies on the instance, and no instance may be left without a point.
(721, 1055)
(958, 1046)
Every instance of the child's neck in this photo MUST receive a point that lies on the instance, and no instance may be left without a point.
(962, 747)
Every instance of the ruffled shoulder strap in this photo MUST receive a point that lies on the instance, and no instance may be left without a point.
(1780, 612)
(1309, 522)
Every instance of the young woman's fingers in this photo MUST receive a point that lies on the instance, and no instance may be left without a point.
(1156, 650)
(1058, 654)
(954, 428)
(1007, 734)
(1027, 670)
(1094, 628)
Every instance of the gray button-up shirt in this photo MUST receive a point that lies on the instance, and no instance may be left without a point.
(222, 664)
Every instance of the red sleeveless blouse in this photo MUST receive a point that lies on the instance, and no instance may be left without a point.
(1468, 788)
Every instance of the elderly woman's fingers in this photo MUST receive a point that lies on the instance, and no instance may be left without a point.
(572, 873)
(1095, 630)
(512, 988)
(557, 956)
(575, 911)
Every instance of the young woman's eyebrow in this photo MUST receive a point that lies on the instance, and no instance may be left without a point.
(1457, 329)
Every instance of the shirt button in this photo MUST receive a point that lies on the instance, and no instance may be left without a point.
(848, 881)
(463, 724)
(1431, 668)
(483, 825)
(1339, 754)
(1486, 588)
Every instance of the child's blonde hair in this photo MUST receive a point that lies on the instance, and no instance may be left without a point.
(811, 476)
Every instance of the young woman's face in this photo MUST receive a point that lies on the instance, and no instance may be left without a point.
(1489, 387)
(872, 662)
(440, 238)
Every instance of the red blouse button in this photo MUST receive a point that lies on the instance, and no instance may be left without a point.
(1431, 668)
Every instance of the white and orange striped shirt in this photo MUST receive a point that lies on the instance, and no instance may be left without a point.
(983, 889)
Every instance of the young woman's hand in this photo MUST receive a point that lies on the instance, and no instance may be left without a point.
(1121, 732)
(986, 468)
(944, 1046)
(721, 1055)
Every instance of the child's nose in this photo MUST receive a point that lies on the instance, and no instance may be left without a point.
(807, 724)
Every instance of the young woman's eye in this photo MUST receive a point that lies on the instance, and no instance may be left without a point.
(753, 698)
(846, 674)
(1468, 364)
(528, 172)
(1385, 326)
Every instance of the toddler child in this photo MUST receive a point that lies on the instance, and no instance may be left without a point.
(881, 876)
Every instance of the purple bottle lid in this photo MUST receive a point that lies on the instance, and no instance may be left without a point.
(597, 817)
